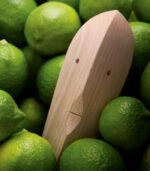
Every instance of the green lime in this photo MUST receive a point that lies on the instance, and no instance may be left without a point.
(125, 122)
(91, 155)
(73, 3)
(132, 17)
(141, 8)
(10, 115)
(26, 151)
(13, 68)
(90, 8)
(47, 78)
(13, 15)
(145, 85)
(50, 27)
(141, 32)
(35, 115)
(34, 61)
(146, 160)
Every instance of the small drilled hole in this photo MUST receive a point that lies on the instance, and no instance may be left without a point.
(108, 72)
(77, 60)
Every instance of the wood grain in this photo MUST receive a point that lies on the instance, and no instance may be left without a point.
(95, 69)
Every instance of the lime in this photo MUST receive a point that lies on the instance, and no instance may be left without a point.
(73, 3)
(50, 27)
(13, 68)
(47, 78)
(91, 155)
(34, 61)
(125, 122)
(10, 115)
(90, 8)
(141, 8)
(141, 32)
(13, 15)
(145, 85)
(35, 114)
(26, 151)
(146, 160)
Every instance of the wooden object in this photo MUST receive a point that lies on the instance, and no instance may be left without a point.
(94, 71)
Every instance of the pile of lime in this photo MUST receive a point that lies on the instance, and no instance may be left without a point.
(34, 38)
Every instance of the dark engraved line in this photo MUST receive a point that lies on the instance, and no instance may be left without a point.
(75, 113)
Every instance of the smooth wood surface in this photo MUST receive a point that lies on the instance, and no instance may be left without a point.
(95, 69)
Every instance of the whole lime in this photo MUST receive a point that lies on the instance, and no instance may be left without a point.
(13, 15)
(125, 123)
(47, 78)
(35, 114)
(90, 8)
(26, 151)
(91, 155)
(10, 115)
(50, 27)
(141, 8)
(141, 33)
(13, 69)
